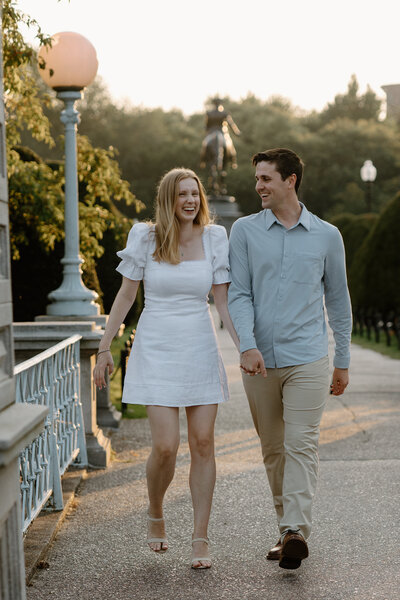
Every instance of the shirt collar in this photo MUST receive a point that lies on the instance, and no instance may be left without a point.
(304, 219)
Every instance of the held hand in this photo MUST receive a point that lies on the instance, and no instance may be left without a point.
(252, 362)
(104, 361)
(340, 381)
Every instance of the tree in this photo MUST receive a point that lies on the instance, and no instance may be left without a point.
(36, 186)
(354, 230)
(263, 125)
(375, 270)
(23, 106)
(352, 105)
(147, 142)
(334, 156)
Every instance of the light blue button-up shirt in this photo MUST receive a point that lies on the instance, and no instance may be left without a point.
(280, 278)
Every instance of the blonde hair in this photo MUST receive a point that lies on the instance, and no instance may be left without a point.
(167, 225)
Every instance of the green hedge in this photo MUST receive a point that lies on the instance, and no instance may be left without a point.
(354, 230)
(374, 274)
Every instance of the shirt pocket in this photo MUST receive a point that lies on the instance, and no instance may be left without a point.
(308, 269)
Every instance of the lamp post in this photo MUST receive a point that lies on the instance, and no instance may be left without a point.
(68, 66)
(368, 175)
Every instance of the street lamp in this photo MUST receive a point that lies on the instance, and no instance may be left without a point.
(68, 66)
(368, 175)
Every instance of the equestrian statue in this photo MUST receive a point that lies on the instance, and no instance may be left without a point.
(218, 151)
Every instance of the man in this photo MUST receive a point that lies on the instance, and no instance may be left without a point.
(285, 262)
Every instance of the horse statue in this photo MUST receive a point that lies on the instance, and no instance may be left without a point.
(218, 151)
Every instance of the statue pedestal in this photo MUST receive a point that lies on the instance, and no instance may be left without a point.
(224, 210)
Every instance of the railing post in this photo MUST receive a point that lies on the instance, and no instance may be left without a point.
(386, 328)
(396, 327)
(82, 458)
(123, 361)
(376, 325)
(123, 358)
(361, 322)
(368, 324)
(55, 475)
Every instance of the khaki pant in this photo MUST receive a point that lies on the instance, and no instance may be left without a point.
(287, 408)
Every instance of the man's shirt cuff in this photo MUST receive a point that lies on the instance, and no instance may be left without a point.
(247, 344)
(341, 362)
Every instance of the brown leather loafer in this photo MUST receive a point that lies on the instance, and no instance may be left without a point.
(294, 550)
(275, 552)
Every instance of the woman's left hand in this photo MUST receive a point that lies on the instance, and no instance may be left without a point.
(104, 362)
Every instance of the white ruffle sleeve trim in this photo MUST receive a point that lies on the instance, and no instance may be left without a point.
(220, 254)
(134, 256)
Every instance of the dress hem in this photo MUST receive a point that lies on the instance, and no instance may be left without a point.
(142, 403)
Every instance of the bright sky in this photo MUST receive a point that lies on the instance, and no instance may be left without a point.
(176, 53)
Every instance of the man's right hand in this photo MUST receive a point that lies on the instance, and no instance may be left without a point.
(252, 362)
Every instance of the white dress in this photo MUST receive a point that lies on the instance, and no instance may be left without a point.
(175, 359)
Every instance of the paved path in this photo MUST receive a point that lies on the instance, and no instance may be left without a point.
(100, 550)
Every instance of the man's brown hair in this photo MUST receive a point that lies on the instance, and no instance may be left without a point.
(286, 161)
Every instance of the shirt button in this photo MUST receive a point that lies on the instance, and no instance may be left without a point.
(283, 276)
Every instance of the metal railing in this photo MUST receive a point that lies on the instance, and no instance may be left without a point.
(123, 362)
(52, 379)
(375, 323)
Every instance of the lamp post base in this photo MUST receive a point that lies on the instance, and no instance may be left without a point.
(72, 298)
(73, 308)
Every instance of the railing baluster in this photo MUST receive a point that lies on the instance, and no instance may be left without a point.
(52, 379)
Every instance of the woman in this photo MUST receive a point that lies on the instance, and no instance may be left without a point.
(175, 359)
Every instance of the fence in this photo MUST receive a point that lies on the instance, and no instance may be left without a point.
(51, 379)
(124, 355)
(375, 323)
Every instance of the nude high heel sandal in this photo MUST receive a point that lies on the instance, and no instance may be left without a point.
(157, 540)
(202, 558)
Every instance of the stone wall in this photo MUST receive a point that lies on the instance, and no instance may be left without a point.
(19, 423)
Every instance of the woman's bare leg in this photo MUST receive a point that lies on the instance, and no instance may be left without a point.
(201, 420)
(160, 468)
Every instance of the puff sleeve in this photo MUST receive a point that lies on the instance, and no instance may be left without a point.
(219, 254)
(133, 257)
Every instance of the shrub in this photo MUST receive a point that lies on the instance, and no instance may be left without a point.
(375, 269)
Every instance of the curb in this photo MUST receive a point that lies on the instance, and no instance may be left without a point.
(44, 528)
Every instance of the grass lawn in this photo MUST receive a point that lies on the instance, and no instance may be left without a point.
(392, 350)
(133, 411)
